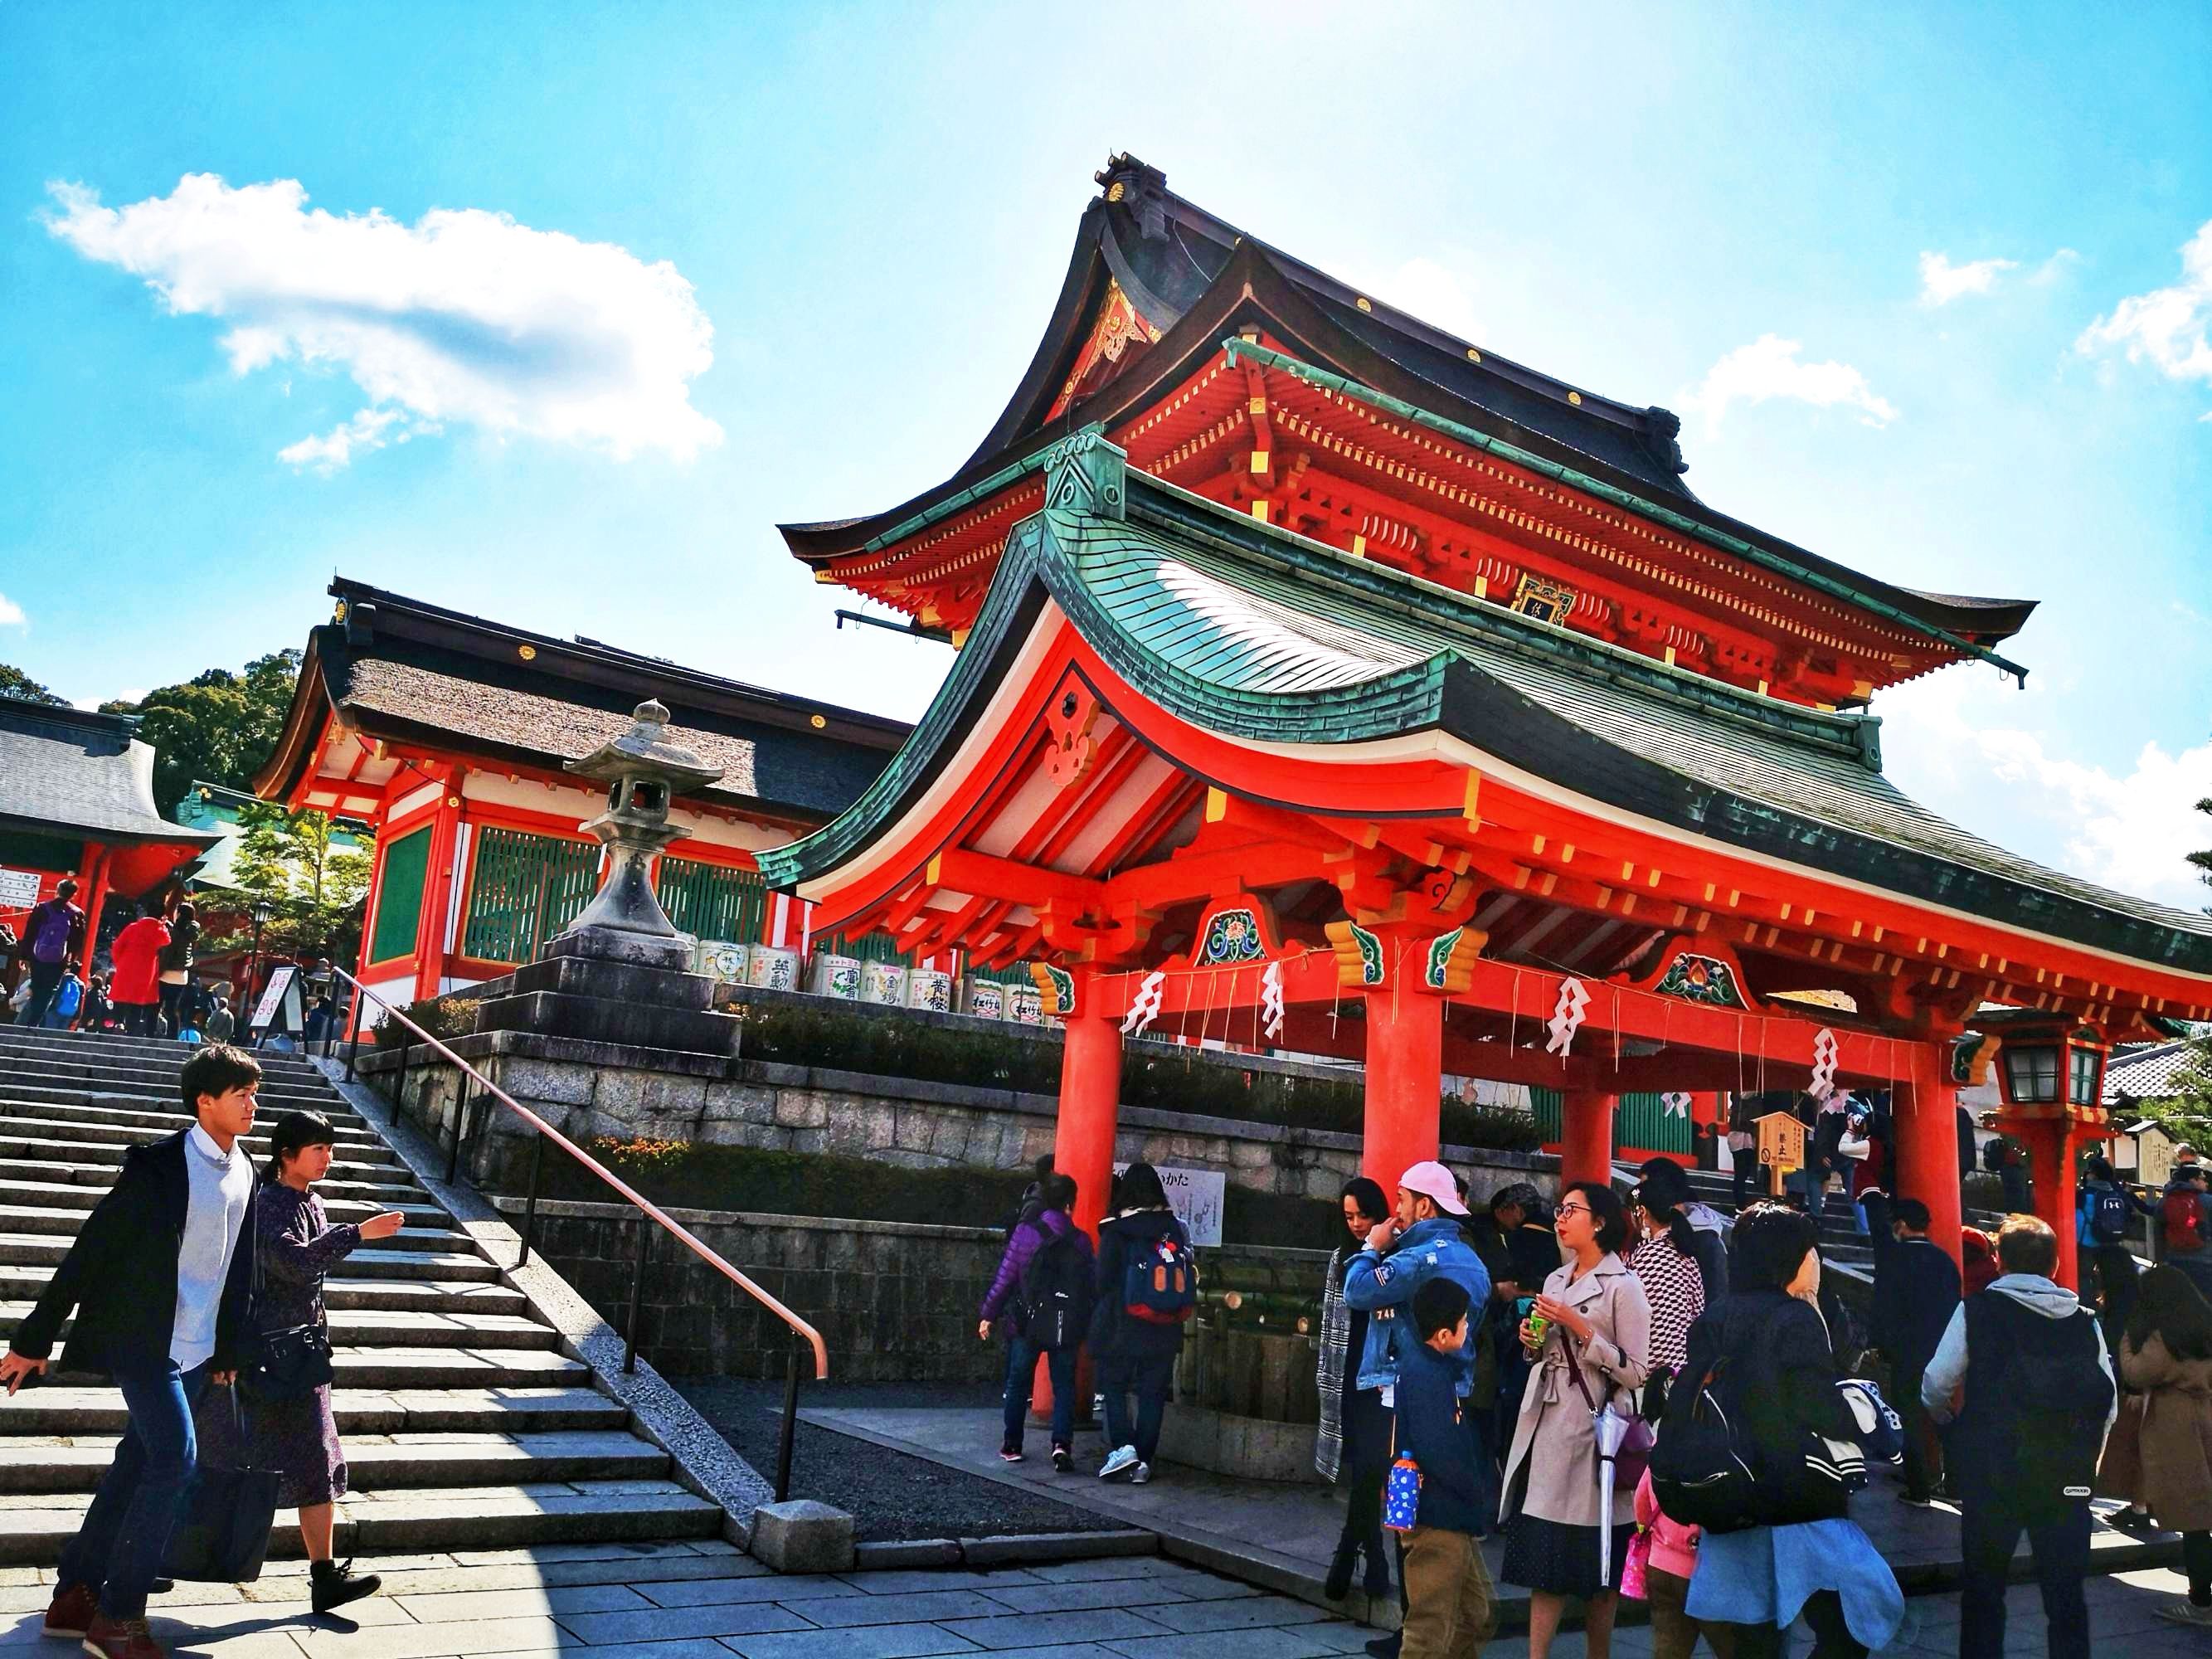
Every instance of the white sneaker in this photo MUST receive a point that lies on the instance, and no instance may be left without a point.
(1118, 1461)
(1140, 1474)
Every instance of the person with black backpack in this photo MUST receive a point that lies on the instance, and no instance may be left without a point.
(1042, 1296)
(2108, 1210)
(1147, 1292)
(1758, 1451)
(2030, 1363)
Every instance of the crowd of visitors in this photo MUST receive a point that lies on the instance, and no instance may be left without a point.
(151, 986)
(1644, 1398)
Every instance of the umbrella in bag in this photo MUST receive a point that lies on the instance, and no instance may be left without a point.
(1611, 1428)
(221, 1537)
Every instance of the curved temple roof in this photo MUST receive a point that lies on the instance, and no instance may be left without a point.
(1178, 266)
(1256, 634)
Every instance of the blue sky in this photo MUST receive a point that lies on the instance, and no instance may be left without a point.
(1915, 276)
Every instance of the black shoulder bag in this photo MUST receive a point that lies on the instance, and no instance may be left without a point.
(221, 1537)
(290, 1363)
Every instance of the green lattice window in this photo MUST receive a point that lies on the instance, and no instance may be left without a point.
(524, 889)
(712, 900)
(399, 895)
(1642, 1120)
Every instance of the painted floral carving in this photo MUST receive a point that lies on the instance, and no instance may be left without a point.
(1701, 979)
(1231, 937)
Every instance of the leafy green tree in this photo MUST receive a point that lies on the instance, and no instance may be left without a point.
(14, 683)
(316, 887)
(2201, 860)
(217, 726)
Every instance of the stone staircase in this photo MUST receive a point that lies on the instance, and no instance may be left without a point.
(465, 1425)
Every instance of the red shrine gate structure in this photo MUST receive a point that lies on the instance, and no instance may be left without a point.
(1326, 682)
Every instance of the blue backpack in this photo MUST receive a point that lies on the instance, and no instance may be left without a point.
(1160, 1285)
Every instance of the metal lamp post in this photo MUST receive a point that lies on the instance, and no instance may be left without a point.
(262, 910)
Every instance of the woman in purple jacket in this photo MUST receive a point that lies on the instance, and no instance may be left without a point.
(1045, 1226)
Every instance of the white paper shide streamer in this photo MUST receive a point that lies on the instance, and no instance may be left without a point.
(1566, 1018)
(1145, 1006)
(1271, 1000)
(1823, 1083)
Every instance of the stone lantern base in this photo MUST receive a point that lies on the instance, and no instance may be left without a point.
(614, 985)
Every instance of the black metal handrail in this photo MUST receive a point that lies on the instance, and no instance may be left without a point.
(648, 1210)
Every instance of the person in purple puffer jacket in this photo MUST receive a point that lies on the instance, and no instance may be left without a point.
(1047, 1227)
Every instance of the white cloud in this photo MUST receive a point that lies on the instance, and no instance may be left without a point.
(365, 431)
(2167, 326)
(1941, 282)
(1978, 751)
(2054, 267)
(1768, 368)
(11, 614)
(464, 317)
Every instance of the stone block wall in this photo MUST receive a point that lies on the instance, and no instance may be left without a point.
(893, 1303)
(587, 1090)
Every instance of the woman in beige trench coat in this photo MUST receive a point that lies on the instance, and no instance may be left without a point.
(2165, 1356)
(1595, 1317)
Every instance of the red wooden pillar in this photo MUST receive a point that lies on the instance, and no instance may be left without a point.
(1083, 1145)
(2050, 1143)
(1924, 1111)
(93, 892)
(438, 890)
(1586, 1135)
(1405, 1081)
(1090, 1105)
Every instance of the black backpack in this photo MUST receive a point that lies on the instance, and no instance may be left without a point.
(1708, 1470)
(1056, 1290)
(2108, 1214)
(1699, 1474)
(2035, 1417)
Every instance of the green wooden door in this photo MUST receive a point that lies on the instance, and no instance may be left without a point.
(712, 900)
(399, 895)
(524, 890)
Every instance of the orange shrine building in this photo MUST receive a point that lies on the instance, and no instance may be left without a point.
(448, 733)
(1328, 682)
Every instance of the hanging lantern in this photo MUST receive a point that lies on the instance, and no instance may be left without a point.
(2057, 1066)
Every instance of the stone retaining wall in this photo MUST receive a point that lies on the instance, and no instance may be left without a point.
(893, 1303)
(590, 1089)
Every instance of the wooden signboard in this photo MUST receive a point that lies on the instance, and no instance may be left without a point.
(1781, 1146)
(279, 1007)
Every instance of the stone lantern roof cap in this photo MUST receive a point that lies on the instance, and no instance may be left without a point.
(645, 751)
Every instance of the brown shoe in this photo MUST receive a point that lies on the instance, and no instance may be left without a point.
(75, 1607)
(121, 1638)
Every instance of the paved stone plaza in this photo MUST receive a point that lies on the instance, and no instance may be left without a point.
(703, 1600)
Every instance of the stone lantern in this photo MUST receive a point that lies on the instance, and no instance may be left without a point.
(620, 974)
(642, 770)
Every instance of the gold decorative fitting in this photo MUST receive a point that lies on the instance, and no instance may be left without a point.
(1116, 190)
(527, 653)
(1472, 355)
(338, 614)
(1576, 398)
(816, 721)
(1361, 301)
